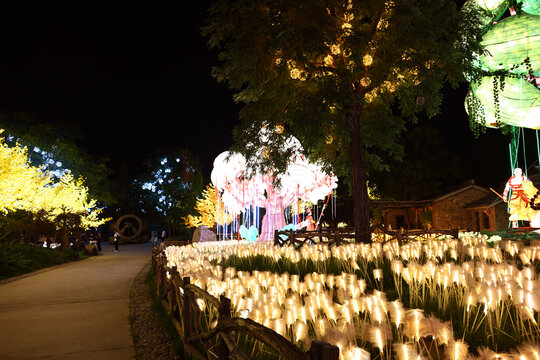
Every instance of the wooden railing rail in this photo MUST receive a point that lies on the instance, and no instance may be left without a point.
(338, 237)
(218, 343)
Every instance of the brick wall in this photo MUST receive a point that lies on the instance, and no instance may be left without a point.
(450, 212)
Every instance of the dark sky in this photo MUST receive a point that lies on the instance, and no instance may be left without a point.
(132, 76)
(135, 76)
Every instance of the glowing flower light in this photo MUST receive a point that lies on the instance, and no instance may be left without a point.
(487, 289)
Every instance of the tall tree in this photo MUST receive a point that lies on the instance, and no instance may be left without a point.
(171, 185)
(342, 76)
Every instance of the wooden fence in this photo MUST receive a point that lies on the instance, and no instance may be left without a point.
(205, 340)
(348, 235)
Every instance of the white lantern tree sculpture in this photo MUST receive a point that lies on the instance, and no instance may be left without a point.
(241, 189)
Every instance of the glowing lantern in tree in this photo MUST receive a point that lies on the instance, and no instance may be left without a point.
(301, 180)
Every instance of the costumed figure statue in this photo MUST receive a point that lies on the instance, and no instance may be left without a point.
(523, 191)
(311, 222)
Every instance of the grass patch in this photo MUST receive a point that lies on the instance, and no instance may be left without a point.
(513, 234)
(20, 259)
(165, 318)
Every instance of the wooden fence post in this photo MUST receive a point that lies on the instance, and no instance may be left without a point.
(323, 351)
(159, 272)
(224, 313)
(291, 237)
(399, 236)
(170, 294)
(186, 311)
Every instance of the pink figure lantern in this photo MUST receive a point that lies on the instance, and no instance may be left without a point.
(302, 180)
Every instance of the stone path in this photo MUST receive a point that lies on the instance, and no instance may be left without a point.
(75, 311)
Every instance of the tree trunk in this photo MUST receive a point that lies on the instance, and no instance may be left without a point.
(64, 240)
(359, 182)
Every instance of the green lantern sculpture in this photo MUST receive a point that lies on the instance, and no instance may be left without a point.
(509, 91)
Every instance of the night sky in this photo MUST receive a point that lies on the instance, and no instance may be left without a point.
(131, 77)
(136, 76)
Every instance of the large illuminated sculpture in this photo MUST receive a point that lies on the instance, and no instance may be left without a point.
(302, 180)
(508, 91)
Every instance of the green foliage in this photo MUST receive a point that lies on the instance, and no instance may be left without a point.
(477, 117)
(23, 226)
(426, 218)
(21, 258)
(61, 145)
(258, 40)
(69, 226)
(475, 108)
(301, 268)
(170, 185)
(509, 234)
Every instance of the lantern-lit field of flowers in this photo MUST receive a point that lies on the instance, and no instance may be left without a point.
(438, 299)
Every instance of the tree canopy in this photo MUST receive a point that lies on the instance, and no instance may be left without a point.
(343, 76)
(28, 188)
(171, 184)
(55, 149)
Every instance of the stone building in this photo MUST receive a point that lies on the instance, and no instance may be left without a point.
(467, 206)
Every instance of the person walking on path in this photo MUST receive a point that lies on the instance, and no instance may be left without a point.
(154, 238)
(163, 235)
(91, 237)
(116, 239)
(98, 241)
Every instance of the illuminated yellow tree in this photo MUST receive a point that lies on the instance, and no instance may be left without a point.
(19, 181)
(26, 187)
(71, 196)
(210, 208)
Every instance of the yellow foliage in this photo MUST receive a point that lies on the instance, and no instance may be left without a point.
(210, 208)
(26, 187)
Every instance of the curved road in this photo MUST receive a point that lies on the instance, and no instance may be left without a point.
(75, 311)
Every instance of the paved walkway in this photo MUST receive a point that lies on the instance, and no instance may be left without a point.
(75, 311)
